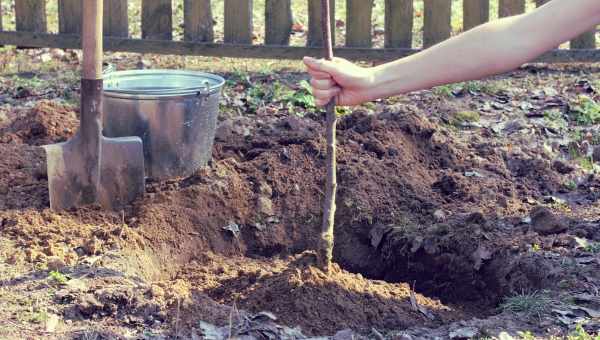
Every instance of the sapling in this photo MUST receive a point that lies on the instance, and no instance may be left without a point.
(325, 247)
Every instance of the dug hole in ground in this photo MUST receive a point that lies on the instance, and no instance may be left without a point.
(458, 217)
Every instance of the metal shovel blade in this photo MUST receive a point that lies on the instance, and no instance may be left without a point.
(113, 180)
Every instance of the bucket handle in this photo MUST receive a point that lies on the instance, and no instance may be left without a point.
(205, 92)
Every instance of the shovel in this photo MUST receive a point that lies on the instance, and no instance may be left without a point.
(90, 168)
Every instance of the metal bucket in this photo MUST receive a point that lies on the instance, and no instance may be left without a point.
(174, 112)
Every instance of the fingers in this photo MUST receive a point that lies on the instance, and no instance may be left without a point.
(322, 97)
(322, 84)
(318, 75)
(320, 65)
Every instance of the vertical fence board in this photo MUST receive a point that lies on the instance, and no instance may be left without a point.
(437, 22)
(315, 30)
(278, 22)
(157, 19)
(475, 13)
(585, 41)
(359, 23)
(116, 19)
(198, 21)
(399, 20)
(30, 15)
(238, 21)
(69, 16)
(507, 8)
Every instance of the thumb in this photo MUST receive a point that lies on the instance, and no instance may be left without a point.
(320, 65)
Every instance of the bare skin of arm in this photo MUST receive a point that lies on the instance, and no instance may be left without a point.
(492, 48)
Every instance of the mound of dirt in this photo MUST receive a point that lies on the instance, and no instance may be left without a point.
(299, 294)
(48, 122)
(23, 177)
(414, 204)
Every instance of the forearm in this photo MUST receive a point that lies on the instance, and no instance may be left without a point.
(492, 48)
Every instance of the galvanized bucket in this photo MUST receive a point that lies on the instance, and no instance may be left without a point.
(174, 112)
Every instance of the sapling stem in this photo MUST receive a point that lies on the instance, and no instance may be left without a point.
(325, 247)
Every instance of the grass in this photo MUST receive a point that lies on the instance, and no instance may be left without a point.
(554, 119)
(57, 277)
(530, 304)
(585, 110)
(581, 334)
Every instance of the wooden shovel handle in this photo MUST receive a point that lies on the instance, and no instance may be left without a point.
(91, 39)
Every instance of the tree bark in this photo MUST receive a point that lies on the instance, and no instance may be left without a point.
(325, 247)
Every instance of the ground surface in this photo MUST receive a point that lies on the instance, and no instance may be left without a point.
(481, 197)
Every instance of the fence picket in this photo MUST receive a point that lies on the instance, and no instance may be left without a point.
(30, 15)
(585, 41)
(359, 23)
(399, 20)
(198, 21)
(278, 22)
(69, 16)
(437, 22)
(507, 8)
(116, 19)
(238, 21)
(475, 13)
(315, 30)
(157, 19)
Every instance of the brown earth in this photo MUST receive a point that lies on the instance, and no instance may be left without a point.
(414, 205)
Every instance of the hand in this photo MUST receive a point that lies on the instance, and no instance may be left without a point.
(348, 83)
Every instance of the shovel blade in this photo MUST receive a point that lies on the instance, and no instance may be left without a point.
(113, 180)
(72, 175)
(121, 172)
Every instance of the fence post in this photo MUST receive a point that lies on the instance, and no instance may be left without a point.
(116, 18)
(315, 29)
(278, 22)
(198, 21)
(359, 23)
(475, 13)
(585, 41)
(30, 15)
(507, 8)
(399, 19)
(238, 21)
(437, 22)
(69, 16)
(157, 19)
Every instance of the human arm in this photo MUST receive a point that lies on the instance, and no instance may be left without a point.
(492, 48)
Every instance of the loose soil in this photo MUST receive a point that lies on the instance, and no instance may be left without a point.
(418, 208)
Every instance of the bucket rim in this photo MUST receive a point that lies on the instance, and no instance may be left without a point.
(213, 84)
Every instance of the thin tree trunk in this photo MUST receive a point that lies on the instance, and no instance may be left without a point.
(325, 248)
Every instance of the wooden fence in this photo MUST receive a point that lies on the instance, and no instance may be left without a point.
(157, 35)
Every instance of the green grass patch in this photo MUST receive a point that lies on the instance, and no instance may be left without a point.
(554, 119)
(57, 277)
(585, 110)
(530, 304)
(462, 117)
